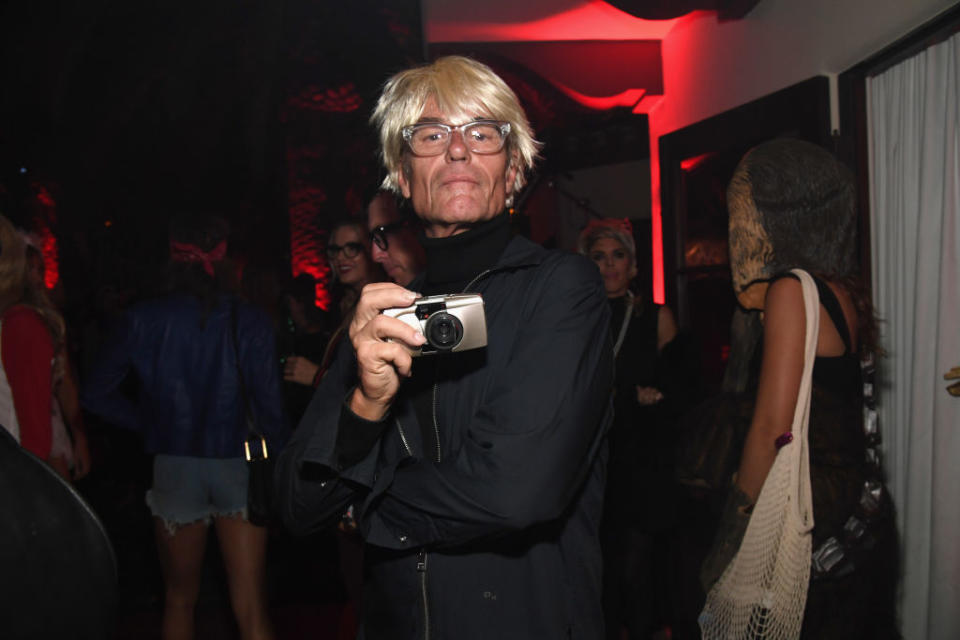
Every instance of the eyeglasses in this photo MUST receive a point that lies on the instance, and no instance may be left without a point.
(433, 138)
(380, 234)
(350, 250)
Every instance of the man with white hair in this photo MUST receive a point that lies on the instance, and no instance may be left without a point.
(476, 475)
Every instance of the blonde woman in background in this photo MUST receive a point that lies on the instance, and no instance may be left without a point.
(31, 337)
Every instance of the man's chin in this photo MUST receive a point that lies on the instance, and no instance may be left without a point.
(466, 216)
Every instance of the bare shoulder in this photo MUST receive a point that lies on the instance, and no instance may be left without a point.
(666, 326)
(784, 291)
(783, 308)
(666, 318)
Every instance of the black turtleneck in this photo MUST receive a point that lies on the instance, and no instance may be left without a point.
(452, 263)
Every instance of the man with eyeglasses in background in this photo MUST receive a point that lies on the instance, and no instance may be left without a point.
(395, 244)
(477, 476)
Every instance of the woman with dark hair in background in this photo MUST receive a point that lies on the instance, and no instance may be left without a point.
(352, 268)
(793, 205)
(649, 390)
(351, 265)
(189, 349)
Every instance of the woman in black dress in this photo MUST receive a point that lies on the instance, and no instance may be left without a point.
(792, 204)
(639, 497)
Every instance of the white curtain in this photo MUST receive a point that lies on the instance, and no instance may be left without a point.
(914, 120)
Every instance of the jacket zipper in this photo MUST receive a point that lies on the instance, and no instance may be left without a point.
(422, 570)
(436, 423)
(422, 555)
(480, 275)
(403, 437)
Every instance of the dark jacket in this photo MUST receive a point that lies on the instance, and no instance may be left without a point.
(188, 401)
(499, 538)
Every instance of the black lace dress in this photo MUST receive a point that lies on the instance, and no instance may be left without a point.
(854, 573)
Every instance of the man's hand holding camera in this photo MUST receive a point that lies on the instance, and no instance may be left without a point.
(382, 345)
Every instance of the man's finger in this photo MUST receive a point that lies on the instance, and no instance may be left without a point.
(386, 328)
(375, 298)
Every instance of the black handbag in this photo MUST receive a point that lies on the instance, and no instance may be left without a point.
(259, 462)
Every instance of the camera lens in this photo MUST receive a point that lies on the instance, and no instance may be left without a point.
(443, 331)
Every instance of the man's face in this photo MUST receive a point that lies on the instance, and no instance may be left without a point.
(403, 258)
(457, 189)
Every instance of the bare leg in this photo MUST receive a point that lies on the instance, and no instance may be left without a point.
(244, 548)
(181, 560)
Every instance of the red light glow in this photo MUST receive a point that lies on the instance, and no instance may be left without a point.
(44, 234)
(340, 100)
(656, 230)
(306, 255)
(689, 164)
(533, 21)
(628, 98)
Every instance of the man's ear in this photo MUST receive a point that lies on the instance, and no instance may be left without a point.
(513, 165)
(403, 176)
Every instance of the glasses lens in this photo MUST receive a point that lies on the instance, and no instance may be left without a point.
(429, 139)
(352, 249)
(483, 137)
(379, 236)
(479, 137)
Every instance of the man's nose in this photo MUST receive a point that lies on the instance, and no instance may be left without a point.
(378, 254)
(457, 149)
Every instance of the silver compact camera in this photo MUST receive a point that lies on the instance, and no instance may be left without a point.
(450, 323)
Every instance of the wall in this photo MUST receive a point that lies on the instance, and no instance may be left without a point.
(710, 67)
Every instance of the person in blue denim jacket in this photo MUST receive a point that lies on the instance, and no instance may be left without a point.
(190, 412)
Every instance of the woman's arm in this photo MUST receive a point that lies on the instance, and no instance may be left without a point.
(68, 395)
(780, 374)
(666, 327)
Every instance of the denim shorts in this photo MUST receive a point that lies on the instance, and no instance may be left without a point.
(187, 490)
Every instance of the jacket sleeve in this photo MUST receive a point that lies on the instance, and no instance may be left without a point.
(101, 393)
(312, 489)
(530, 443)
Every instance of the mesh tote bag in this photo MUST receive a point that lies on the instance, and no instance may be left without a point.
(763, 591)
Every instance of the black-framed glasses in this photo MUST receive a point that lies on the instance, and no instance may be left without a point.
(433, 138)
(381, 234)
(350, 250)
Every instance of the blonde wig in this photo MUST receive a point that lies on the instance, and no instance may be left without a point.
(463, 89)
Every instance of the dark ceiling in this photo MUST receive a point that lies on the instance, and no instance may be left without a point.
(665, 9)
